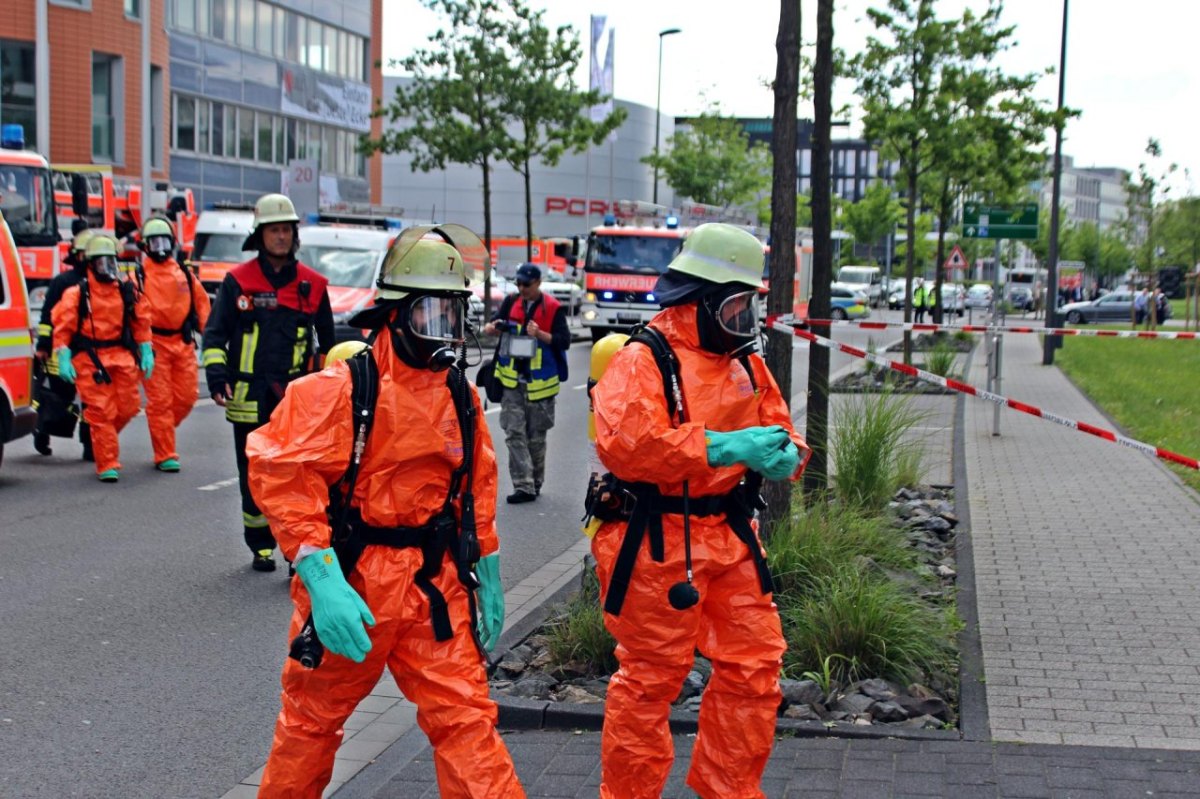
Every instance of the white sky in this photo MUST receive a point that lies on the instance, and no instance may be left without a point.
(1133, 69)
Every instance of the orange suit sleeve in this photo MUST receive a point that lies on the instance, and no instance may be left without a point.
(774, 410)
(635, 438)
(65, 317)
(298, 454)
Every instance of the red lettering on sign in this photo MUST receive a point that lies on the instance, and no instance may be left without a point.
(621, 282)
(555, 204)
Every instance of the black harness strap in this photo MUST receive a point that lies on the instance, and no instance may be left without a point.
(645, 521)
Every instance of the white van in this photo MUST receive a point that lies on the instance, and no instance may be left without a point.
(867, 279)
(220, 232)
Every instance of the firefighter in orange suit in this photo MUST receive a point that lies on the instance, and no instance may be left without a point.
(706, 454)
(178, 308)
(412, 566)
(102, 340)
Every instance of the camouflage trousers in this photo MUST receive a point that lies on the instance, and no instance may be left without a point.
(525, 425)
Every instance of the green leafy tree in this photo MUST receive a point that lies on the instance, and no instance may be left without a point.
(711, 161)
(874, 216)
(1144, 194)
(455, 108)
(1179, 232)
(543, 98)
(989, 129)
(923, 250)
(1040, 247)
(900, 74)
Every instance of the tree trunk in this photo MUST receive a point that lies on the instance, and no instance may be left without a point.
(940, 260)
(783, 228)
(816, 478)
(487, 238)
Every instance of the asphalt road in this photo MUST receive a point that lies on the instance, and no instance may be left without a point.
(140, 655)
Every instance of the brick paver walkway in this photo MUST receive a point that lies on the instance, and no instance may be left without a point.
(1087, 559)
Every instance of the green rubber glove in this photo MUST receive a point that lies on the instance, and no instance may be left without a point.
(748, 446)
(338, 611)
(491, 600)
(66, 369)
(146, 358)
(781, 464)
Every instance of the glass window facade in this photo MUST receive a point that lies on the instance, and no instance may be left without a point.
(104, 105)
(17, 87)
(225, 130)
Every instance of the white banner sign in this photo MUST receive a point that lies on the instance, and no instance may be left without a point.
(324, 98)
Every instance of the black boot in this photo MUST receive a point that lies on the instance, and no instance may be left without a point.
(41, 442)
(263, 561)
(85, 438)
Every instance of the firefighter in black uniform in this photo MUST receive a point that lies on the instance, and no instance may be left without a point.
(55, 395)
(270, 324)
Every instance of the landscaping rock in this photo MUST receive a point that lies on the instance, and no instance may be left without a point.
(934, 706)
(881, 690)
(533, 686)
(578, 695)
(693, 684)
(888, 711)
(854, 704)
(802, 713)
(801, 692)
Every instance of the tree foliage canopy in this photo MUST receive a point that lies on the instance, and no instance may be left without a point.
(711, 161)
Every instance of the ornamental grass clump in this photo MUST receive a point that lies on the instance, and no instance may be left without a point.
(576, 634)
(940, 359)
(823, 538)
(874, 627)
(871, 451)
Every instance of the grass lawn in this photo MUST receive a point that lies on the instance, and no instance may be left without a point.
(1152, 389)
(1179, 309)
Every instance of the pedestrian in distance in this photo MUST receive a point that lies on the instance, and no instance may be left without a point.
(689, 421)
(531, 378)
(392, 446)
(271, 323)
(178, 307)
(1141, 302)
(55, 395)
(101, 334)
(920, 298)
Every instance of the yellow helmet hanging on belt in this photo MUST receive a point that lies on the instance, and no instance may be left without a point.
(602, 352)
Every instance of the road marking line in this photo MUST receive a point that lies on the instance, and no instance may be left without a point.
(216, 486)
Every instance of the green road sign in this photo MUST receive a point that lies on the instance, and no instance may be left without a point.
(999, 222)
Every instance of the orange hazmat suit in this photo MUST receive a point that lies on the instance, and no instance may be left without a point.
(108, 407)
(404, 479)
(173, 386)
(734, 625)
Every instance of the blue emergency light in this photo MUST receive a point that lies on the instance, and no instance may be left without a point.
(608, 295)
(12, 137)
(610, 220)
(672, 222)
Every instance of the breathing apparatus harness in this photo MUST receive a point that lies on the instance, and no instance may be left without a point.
(642, 505)
(443, 533)
(90, 344)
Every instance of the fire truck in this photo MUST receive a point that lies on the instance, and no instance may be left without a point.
(28, 206)
(626, 255)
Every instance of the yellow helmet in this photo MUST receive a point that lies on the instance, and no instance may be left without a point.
(100, 245)
(80, 242)
(344, 351)
(423, 259)
(721, 253)
(157, 226)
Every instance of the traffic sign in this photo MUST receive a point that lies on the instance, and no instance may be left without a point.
(956, 260)
(999, 222)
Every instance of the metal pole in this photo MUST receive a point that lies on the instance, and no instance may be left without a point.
(995, 280)
(41, 77)
(998, 362)
(147, 183)
(1053, 342)
(658, 106)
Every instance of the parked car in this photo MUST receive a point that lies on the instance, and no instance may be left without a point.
(896, 294)
(979, 296)
(1116, 306)
(569, 294)
(954, 299)
(846, 303)
(1020, 298)
(350, 257)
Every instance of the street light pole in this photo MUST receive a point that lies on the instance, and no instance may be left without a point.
(1053, 342)
(658, 105)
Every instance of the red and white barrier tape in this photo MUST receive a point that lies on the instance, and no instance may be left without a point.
(964, 388)
(924, 327)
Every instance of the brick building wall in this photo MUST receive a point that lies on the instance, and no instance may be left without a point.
(76, 34)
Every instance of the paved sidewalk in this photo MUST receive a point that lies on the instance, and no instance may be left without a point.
(1087, 557)
(565, 764)
(1085, 563)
